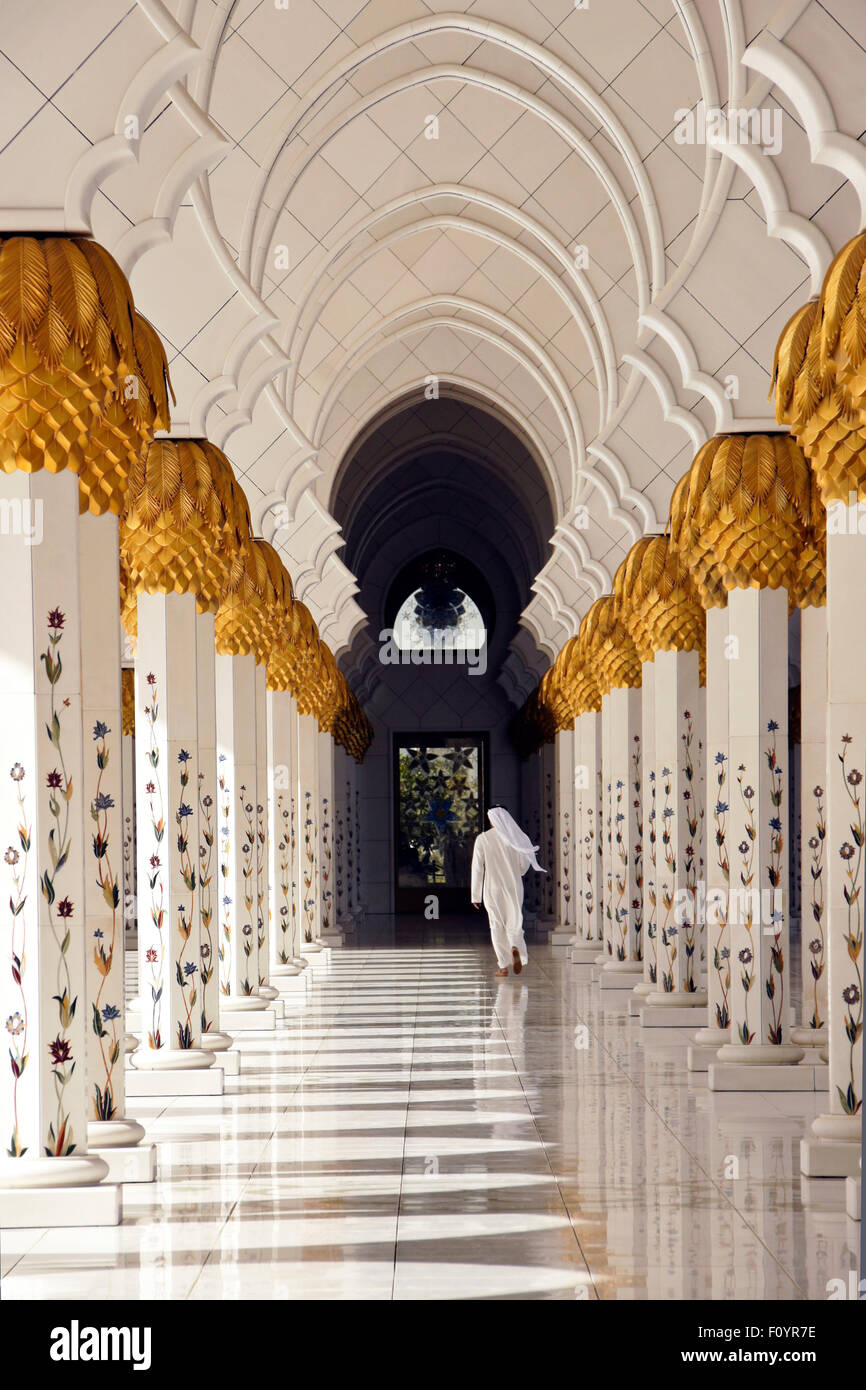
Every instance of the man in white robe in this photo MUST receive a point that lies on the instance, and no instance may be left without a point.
(500, 859)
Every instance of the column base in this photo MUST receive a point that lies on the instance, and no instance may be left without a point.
(809, 1037)
(680, 1015)
(252, 1021)
(130, 1043)
(584, 953)
(169, 1059)
(99, 1205)
(136, 1164)
(300, 962)
(220, 1044)
(215, 1041)
(853, 1192)
(277, 1008)
(616, 979)
(311, 948)
(267, 992)
(827, 1157)
(731, 1076)
(760, 1055)
(113, 1134)
(141, 1085)
(563, 936)
(231, 1004)
(284, 971)
(42, 1174)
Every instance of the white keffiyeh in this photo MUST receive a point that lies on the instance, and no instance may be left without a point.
(510, 834)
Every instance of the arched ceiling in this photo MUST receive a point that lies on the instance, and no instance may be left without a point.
(419, 477)
(324, 204)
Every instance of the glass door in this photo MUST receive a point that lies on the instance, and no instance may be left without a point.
(440, 799)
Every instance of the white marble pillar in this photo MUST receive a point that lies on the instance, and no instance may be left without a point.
(46, 1174)
(606, 833)
(758, 925)
(679, 719)
(169, 926)
(564, 934)
(263, 922)
(212, 1037)
(330, 932)
(647, 983)
(718, 848)
(281, 809)
(108, 1130)
(591, 823)
(236, 831)
(308, 833)
(833, 1147)
(626, 959)
(812, 1031)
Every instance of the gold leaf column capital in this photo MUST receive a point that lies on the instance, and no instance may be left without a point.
(83, 377)
(183, 526)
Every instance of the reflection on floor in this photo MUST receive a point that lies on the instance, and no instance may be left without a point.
(421, 1130)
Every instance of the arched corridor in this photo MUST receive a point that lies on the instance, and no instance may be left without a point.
(433, 660)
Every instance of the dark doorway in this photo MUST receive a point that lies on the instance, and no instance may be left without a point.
(440, 805)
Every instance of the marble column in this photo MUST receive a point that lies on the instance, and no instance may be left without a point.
(330, 932)
(833, 1146)
(262, 856)
(565, 760)
(812, 1031)
(213, 1039)
(606, 833)
(679, 720)
(241, 1006)
(718, 845)
(758, 902)
(649, 974)
(308, 833)
(108, 1129)
(626, 931)
(169, 926)
(282, 758)
(591, 822)
(47, 1175)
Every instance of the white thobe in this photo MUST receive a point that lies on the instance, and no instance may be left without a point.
(497, 881)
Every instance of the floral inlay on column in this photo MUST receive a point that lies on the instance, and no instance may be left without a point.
(637, 853)
(284, 846)
(693, 815)
(608, 897)
(817, 943)
(746, 851)
(261, 850)
(325, 868)
(589, 856)
(668, 928)
(60, 1139)
(310, 858)
(620, 912)
(357, 846)
(565, 882)
(294, 893)
(339, 861)
(155, 958)
(721, 951)
(185, 970)
(852, 993)
(16, 1023)
(776, 970)
(205, 900)
(248, 845)
(103, 955)
(651, 927)
(224, 858)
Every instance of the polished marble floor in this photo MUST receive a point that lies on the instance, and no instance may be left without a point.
(421, 1130)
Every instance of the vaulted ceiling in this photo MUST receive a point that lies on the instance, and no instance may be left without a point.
(323, 205)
